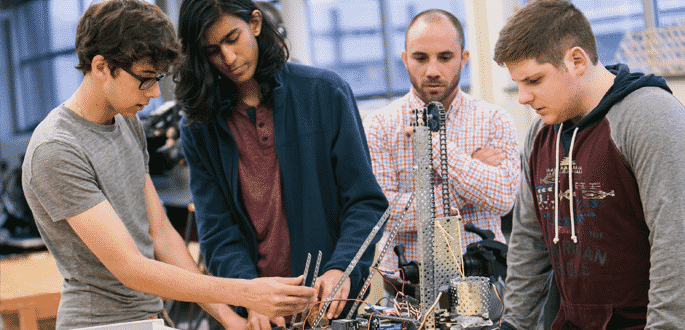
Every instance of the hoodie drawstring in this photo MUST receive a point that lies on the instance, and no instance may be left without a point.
(570, 185)
(556, 187)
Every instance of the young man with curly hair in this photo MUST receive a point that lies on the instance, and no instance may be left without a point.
(86, 181)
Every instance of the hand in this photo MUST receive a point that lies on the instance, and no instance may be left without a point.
(409, 131)
(325, 285)
(278, 296)
(171, 136)
(256, 321)
(238, 323)
(229, 319)
(234, 323)
(489, 155)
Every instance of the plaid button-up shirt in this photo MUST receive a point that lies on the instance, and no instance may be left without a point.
(481, 192)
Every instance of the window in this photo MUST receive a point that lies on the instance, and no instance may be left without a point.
(7, 99)
(362, 39)
(42, 63)
(670, 12)
(610, 20)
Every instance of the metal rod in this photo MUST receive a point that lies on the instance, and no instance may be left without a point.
(362, 249)
(381, 254)
(293, 318)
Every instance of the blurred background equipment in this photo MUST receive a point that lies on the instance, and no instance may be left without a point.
(163, 140)
(18, 229)
(658, 50)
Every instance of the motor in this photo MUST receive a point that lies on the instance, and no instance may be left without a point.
(487, 258)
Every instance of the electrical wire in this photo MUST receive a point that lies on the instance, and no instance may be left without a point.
(437, 299)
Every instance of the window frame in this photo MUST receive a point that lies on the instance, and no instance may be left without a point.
(11, 56)
(21, 124)
(387, 31)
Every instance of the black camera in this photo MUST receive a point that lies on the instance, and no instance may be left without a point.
(487, 258)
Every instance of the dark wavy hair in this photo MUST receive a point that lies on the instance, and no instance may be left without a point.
(197, 79)
(125, 32)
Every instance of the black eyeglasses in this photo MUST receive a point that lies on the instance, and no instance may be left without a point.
(145, 83)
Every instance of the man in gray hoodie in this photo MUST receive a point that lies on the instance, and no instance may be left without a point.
(599, 213)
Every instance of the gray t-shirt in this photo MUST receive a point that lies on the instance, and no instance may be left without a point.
(70, 166)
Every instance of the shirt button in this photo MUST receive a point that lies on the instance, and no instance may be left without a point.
(265, 139)
(261, 125)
